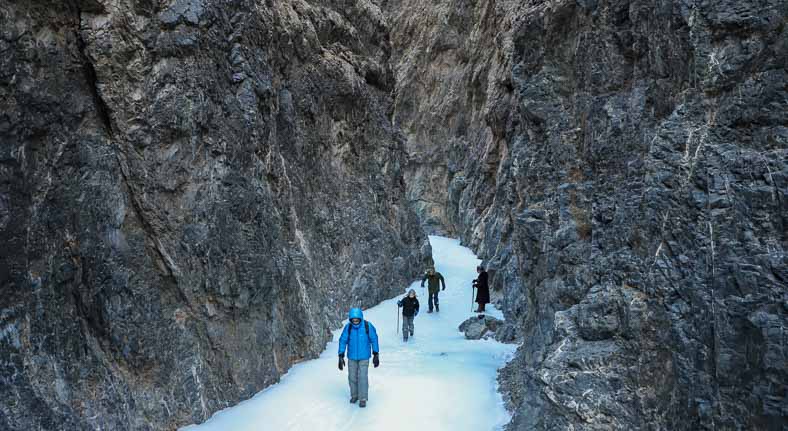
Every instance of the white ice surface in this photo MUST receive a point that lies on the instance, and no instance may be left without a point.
(436, 381)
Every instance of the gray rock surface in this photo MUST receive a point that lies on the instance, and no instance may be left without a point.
(192, 194)
(476, 328)
(621, 167)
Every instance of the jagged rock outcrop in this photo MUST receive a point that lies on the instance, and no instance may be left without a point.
(191, 195)
(623, 167)
(478, 327)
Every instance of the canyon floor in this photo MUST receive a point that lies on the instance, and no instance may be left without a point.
(438, 380)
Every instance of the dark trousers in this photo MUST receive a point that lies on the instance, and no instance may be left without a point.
(407, 326)
(433, 298)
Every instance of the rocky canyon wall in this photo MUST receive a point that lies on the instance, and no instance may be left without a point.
(192, 193)
(622, 167)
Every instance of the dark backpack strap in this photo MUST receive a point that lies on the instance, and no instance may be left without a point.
(366, 327)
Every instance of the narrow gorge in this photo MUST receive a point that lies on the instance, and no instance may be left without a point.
(193, 192)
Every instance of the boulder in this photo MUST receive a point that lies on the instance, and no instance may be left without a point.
(478, 327)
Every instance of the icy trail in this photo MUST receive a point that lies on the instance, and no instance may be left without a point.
(438, 380)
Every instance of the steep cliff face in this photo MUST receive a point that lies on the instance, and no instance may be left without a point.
(192, 194)
(623, 167)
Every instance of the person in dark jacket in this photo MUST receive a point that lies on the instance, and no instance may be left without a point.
(483, 289)
(360, 338)
(435, 280)
(410, 309)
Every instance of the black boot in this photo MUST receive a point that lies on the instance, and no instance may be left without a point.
(362, 403)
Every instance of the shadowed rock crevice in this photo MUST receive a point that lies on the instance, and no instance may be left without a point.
(90, 74)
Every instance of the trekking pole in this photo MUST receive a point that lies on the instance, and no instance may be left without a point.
(398, 320)
(473, 293)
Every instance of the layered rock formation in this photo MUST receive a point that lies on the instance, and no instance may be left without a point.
(623, 167)
(193, 193)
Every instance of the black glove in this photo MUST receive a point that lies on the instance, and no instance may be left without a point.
(375, 360)
(341, 362)
(444, 288)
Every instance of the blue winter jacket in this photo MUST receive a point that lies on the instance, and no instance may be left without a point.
(355, 339)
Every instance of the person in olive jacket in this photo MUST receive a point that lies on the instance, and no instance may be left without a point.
(435, 280)
(410, 309)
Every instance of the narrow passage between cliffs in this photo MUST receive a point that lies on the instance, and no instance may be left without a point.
(437, 380)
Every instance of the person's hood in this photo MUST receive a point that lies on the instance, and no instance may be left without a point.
(413, 292)
(355, 313)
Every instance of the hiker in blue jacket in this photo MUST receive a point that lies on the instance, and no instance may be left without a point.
(359, 337)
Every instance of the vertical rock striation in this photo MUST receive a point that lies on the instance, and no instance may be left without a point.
(192, 193)
(623, 167)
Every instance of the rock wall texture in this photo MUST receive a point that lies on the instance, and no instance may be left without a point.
(192, 193)
(622, 166)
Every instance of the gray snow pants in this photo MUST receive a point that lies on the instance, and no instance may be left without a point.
(407, 326)
(357, 378)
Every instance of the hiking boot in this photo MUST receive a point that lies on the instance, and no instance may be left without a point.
(362, 403)
(429, 311)
(411, 333)
(353, 400)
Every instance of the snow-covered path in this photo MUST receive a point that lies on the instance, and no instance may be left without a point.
(438, 380)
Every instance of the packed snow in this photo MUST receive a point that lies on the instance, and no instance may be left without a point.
(437, 380)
